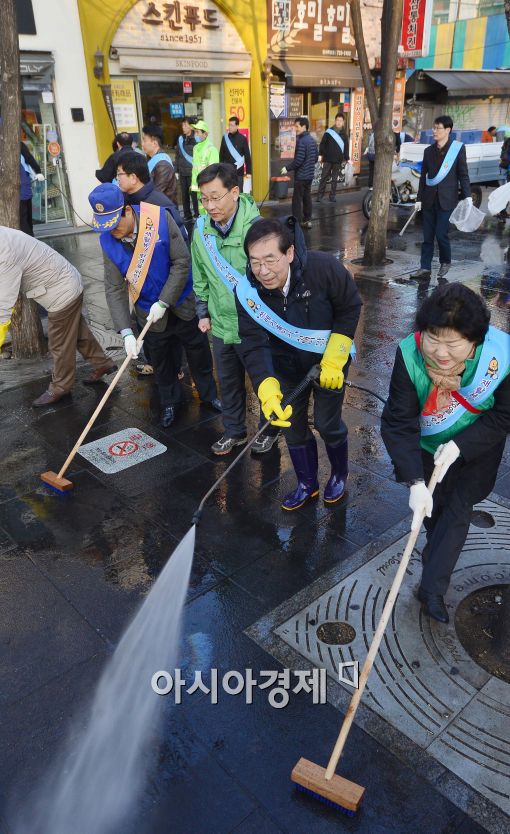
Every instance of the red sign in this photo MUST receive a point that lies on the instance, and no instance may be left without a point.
(416, 21)
(123, 447)
(187, 87)
(54, 148)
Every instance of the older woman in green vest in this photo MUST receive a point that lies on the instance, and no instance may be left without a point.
(449, 405)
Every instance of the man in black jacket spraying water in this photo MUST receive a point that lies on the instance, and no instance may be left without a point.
(298, 308)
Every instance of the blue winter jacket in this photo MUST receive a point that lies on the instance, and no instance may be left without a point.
(305, 157)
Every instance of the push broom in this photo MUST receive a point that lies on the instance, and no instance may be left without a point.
(57, 481)
(323, 783)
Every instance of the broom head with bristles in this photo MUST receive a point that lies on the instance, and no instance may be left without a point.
(337, 791)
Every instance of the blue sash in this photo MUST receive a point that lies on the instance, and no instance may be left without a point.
(338, 139)
(234, 153)
(158, 157)
(28, 168)
(491, 370)
(302, 338)
(451, 156)
(185, 154)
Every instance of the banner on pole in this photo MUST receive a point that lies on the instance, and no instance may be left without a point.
(416, 23)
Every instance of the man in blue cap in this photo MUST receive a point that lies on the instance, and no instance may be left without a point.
(147, 270)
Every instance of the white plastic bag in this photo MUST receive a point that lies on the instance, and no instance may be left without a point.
(349, 174)
(247, 184)
(499, 198)
(467, 217)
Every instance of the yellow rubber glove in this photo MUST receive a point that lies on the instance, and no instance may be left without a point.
(270, 397)
(3, 332)
(333, 361)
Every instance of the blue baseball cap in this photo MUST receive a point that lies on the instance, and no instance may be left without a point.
(107, 201)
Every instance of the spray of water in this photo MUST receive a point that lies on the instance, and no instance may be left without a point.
(100, 778)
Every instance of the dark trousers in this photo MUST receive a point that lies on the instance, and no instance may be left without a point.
(371, 166)
(327, 414)
(25, 217)
(302, 200)
(435, 225)
(187, 196)
(464, 485)
(240, 179)
(231, 375)
(165, 351)
(333, 169)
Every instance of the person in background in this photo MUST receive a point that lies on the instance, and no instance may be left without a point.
(235, 150)
(489, 135)
(219, 260)
(444, 171)
(303, 165)
(161, 168)
(370, 155)
(204, 154)
(29, 170)
(401, 137)
(333, 150)
(29, 266)
(183, 165)
(121, 144)
(448, 406)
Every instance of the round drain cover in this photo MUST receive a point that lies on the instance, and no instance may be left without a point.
(477, 622)
(336, 633)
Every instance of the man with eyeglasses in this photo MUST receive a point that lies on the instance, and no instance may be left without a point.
(219, 260)
(444, 171)
(298, 308)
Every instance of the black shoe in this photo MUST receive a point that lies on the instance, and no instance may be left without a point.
(215, 404)
(420, 275)
(167, 416)
(433, 606)
(443, 269)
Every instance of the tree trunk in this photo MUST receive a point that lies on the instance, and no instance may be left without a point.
(502, 630)
(391, 25)
(26, 329)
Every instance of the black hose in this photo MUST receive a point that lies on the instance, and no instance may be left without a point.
(367, 390)
(312, 375)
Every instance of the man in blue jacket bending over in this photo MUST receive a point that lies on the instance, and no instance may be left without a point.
(147, 269)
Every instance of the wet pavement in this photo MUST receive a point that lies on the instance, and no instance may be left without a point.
(73, 569)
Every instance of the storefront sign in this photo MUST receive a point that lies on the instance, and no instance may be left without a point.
(106, 90)
(277, 100)
(124, 104)
(287, 138)
(310, 28)
(358, 106)
(194, 27)
(398, 102)
(295, 105)
(176, 111)
(54, 148)
(187, 87)
(416, 23)
(237, 100)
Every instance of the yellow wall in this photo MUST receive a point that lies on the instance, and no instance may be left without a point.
(99, 23)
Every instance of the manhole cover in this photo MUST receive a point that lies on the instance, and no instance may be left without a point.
(478, 622)
(424, 683)
(336, 634)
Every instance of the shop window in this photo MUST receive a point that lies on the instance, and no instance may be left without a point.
(164, 103)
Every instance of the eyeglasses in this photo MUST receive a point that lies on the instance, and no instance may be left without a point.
(269, 262)
(213, 200)
(123, 174)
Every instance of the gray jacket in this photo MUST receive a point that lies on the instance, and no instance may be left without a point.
(29, 266)
(116, 288)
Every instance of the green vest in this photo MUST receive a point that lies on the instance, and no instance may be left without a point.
(415, 365)
(204, 154)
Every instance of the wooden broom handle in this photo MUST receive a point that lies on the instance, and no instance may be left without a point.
(374, 647)
(99, 408)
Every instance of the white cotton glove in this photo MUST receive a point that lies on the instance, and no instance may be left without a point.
(421, 503)
(39, 177)
(283, 171)
(469, 201)
(417, 206)
(444, 456)
(131, 346)
(157, 311)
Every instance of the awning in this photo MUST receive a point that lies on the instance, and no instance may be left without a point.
(175, 62)
(319, 74)
(35, 63)
(465, 83)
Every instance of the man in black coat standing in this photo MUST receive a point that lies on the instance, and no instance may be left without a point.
(235, 150)
(303, 165)
(333, 151)
(183, 165)
(443, 172)
(298, 308)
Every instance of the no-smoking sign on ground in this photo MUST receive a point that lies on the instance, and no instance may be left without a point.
(120, 450)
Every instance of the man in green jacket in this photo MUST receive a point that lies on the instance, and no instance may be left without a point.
(217, 256)
(204, 153)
